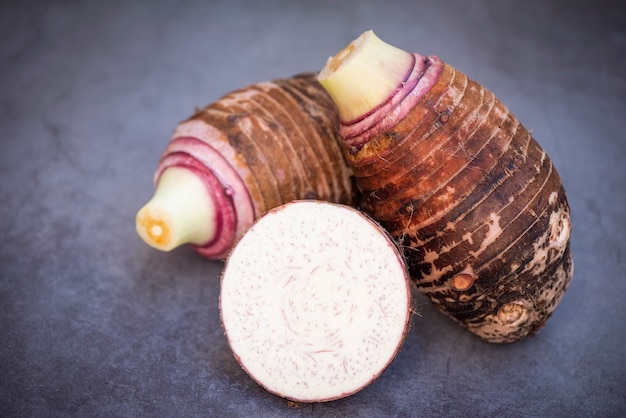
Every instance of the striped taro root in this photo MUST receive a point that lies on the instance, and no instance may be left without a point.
(472, 200)
(252, 150)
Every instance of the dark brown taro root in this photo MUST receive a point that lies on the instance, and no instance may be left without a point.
(471, 198)
(252, 150)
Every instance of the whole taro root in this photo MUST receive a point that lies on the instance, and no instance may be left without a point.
(251, 150)
(472, 200)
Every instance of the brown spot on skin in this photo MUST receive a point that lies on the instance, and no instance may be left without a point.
(462, 281)
(511, 312)
(444, 116)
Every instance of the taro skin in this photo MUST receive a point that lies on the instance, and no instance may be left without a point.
(471, 198)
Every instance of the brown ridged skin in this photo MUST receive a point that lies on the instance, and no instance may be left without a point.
(468, 193)
(284, 132)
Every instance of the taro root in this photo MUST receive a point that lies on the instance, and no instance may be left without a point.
(253, 149)
(315, 301)
(471, 198)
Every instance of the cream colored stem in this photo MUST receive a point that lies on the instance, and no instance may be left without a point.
(180, 212)
(364, 74)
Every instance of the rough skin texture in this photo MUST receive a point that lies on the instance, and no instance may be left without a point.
(267, 144)
(476, 206)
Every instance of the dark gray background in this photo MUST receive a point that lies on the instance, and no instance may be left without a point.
(95, 323)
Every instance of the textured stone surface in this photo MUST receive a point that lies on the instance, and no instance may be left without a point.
(95, 323)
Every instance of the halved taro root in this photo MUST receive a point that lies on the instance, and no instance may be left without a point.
(315, 301)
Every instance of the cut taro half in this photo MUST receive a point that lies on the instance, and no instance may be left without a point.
(315, 301)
